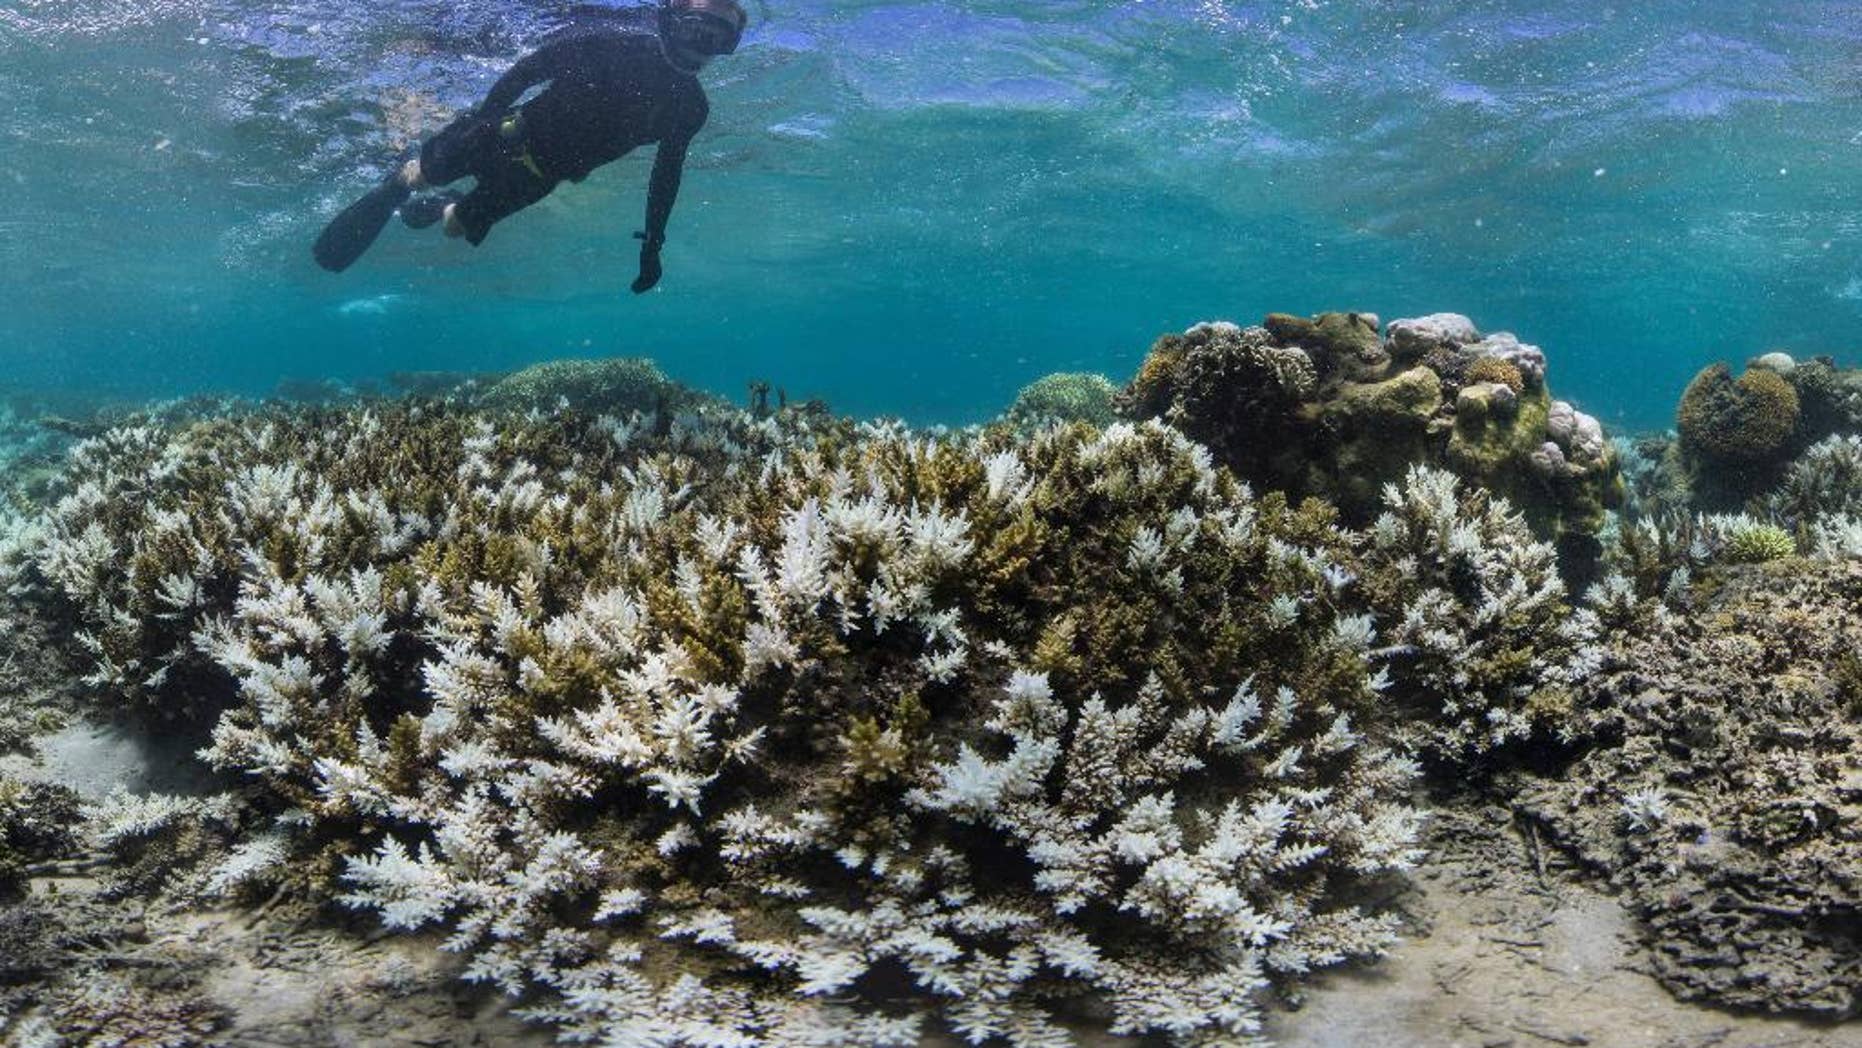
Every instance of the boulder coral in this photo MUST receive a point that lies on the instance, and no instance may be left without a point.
(1739, 435)
(1353, 410)
(1232, 389)
(610, 386)
(1743, 421)
(1068, 396)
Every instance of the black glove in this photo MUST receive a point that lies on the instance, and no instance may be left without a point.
(649, 262)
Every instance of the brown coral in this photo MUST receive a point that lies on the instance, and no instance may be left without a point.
(750, 695)
(1229, 387)
(1496, 369)
(1747, 420)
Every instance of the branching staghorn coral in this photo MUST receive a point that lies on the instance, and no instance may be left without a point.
(734, 729)
(1485, 646)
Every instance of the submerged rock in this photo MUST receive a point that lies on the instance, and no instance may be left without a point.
(1335, 341)
(1417, 337)
(1776, 360)
(1378, 429)
(1506, 347)
(38, 823)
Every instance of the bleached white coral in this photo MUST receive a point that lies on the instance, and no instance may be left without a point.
(1484, 629)
(1645, 809)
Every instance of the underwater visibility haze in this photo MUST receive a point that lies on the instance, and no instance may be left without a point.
(729, 662)
(916, 208)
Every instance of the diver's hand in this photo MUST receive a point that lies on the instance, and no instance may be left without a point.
(649, 263)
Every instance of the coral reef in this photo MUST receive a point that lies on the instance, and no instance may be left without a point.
(1068, 396)
(63, 980)
(723, 727)
(1326, 407)
(692, 726)
(1727, 809)
(1737, 434)
(1823, 483)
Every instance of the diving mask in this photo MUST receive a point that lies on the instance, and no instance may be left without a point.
(706, 27)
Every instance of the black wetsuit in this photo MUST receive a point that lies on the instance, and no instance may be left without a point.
(606, 91)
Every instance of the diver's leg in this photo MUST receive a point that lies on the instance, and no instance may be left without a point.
(423, 211)
(461, 148)
(464, 147)
(497, 196)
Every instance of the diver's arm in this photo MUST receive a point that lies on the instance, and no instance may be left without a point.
(662, 191)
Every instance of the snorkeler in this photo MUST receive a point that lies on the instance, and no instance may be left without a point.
(607, 87)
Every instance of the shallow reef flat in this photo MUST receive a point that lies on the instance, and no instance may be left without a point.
(573, 703)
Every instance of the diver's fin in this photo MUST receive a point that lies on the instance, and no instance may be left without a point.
(350, 233)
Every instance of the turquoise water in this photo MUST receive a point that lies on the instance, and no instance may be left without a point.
(915, 208)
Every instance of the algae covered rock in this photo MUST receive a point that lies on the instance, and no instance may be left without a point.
(1408, 399)
(1378, 430)
(1065, 397)
(1335, 341)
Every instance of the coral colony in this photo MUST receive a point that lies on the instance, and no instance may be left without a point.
(692, 726)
